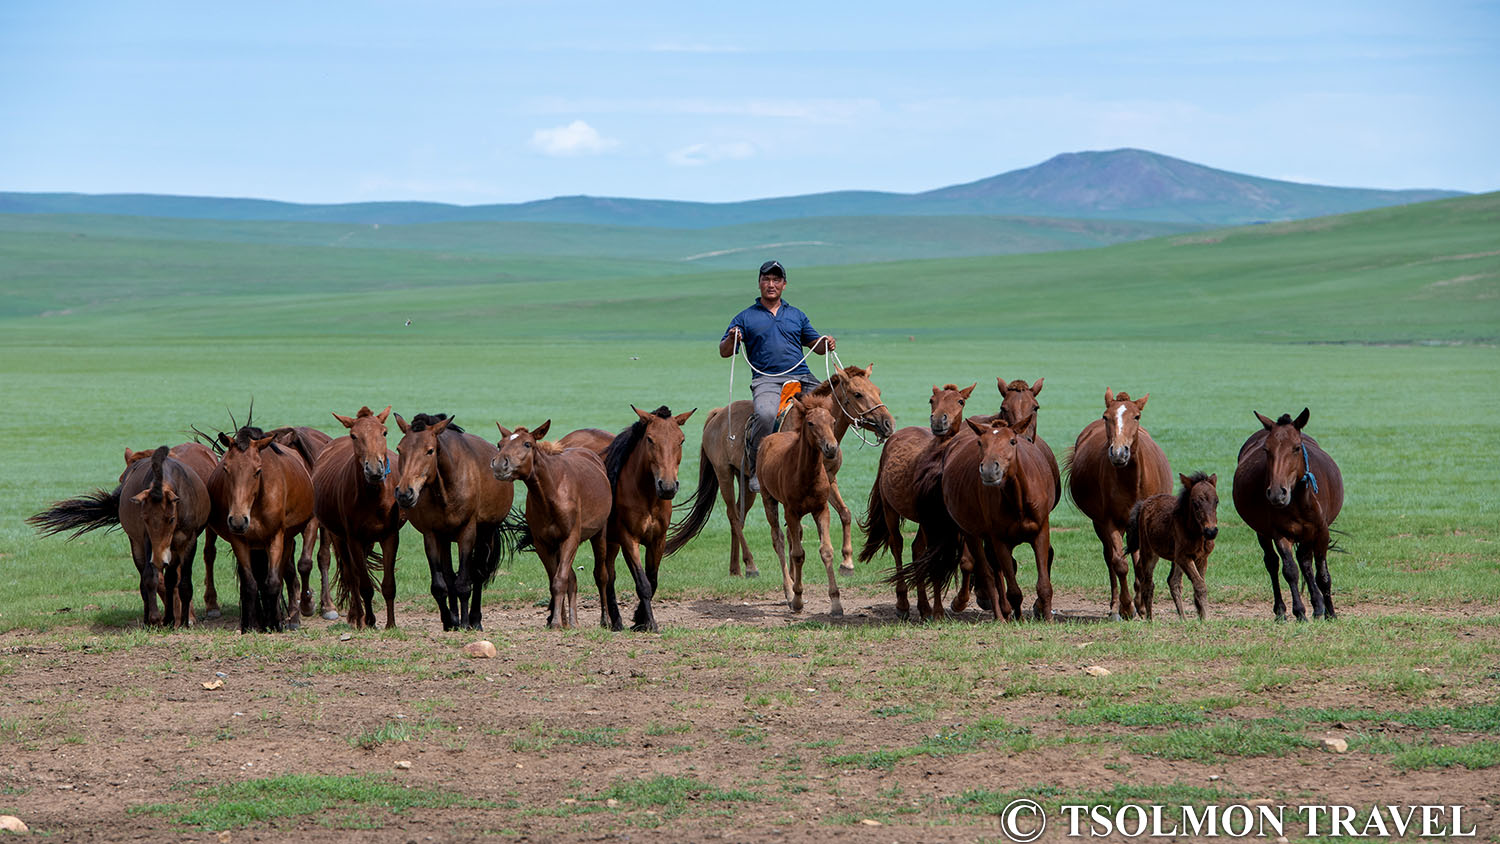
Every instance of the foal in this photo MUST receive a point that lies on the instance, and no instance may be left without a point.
(1178, 528)
(793, 472)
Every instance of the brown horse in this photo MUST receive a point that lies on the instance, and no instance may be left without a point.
(596, 440)
(202, 461)
(448, 493)
(998, 490)
(163, 506)
(893, 495)
(309, 443)
(262, 499)
(567, 503)
(1289, 491)
(854, 402)
(793, 472)
(1178, 528)
(354, 492)
(642, 465)
(1113, 464)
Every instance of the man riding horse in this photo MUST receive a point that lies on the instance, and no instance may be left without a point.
(774, 333)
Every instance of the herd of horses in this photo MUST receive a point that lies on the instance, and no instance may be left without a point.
(975, 487)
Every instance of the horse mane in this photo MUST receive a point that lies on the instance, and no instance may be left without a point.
(549, 446)
(1122, 396)
(158, 458)
(363, 412)
(1018, 384)
(951, 387)
(1286, 419)
(625, 442)
(423, 421)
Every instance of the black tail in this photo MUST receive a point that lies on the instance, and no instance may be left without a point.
(1133, 529)
(512, 537)
(98, 509)
(939, 563)
(877, 532)
(351, 572)
(699, 507)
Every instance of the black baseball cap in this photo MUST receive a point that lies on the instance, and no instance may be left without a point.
(773, 267)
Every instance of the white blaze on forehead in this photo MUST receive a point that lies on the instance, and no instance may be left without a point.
(512, 436)
(1120, 418)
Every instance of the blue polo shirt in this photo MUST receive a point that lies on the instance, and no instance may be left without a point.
(774, 343)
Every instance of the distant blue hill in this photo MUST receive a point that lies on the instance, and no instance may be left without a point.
(1124, 184)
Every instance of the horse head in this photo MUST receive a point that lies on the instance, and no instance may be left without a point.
(158, 510)
(242, 472)
(1286, 456)
(859, 398)
(662, 439)
(367, 430)
(1122, 421)
(817, 430)
(418, 450)
(1200, 495)
(517, 458)
(1018, 399)
(947, 408)
(997, 448)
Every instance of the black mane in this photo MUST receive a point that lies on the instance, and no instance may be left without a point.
(624, 443)
(158, 459)
(423, 421)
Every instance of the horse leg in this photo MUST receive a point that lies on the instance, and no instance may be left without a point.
(1174, 582)
(140, 551)
(779, 545)
(845, 518)
(303, 600)
(1041, 546)
(1120, 603)
(562, 571)
(918, 546)
(645, 615)
(987, 568)
(245, 574)
(210, 592)
(326, 609)
(1314, 591)
(1273, 566)
(643, 620)
(965, 585)
(286, 572)
(464, 585)
(437, 562)
(1195, 570)
(604, 578)
(737, 496)
(364, 601)
(1289, 571)
(182, 560)
(388, 547)
(898, 579)
(1145, 582)
(1325, 580)
(796, 556)
(825, 550)
(342, 551)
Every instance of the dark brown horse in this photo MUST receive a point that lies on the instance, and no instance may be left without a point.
(642, 465)
(163, 506)
(1180, 529)
(793, 471)
(567, 504)
(448, 493)
(1113, 464)
(262, 499)
(998, 490)
(354, 489)
(850, 397)
(893, 494)
(1289, 491)
(203, 461)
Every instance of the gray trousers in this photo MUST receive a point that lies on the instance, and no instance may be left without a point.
(765, 391)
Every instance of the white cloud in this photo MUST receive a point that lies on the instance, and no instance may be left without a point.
(697, 155)
(576, 138)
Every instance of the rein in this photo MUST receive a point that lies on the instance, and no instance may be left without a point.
(1307, 471)
(858, 421)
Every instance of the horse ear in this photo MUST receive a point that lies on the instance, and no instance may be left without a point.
(1301, 419)
(440, 426)
(504, 434)
(346, 421)
(645, 417)
(1109, 395)
(224, 440)
(171, 494)
(1185, 481)
(1263, 420)
(129, 454)
(1140, 403)
(1213, 480)
(540, 431)
(935, 389)
(969, 389)
(1000, 383)
(380, 417)
(870, 368)
(1023, 424)
(682, 418)
(1036, 388)
(976, 427)
(140, 497)
(401, 423)
(263, 442)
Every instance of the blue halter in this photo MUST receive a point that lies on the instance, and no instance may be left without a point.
(1307, 469)
(385, 467)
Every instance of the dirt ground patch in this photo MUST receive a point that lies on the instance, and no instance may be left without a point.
(740, 722)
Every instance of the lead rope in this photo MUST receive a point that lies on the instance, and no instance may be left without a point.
(1307, 469)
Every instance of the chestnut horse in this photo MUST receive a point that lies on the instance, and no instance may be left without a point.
(447, 492)
(850, 397)
(567, 504)
(998, 490)
(354, 491)
(793, 471)
(262, 499)
(642, 465)
(309, 444)
(893, 494)
(1289, 491)
(1180, 529)
(163, 506)
(1113, 464)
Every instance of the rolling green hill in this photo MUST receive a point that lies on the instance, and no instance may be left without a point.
(1124, 184)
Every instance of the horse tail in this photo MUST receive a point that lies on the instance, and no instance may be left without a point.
(939, 563)
(699, 507)
(877, 532)
(97, 509)
(512, 536)
(1067, 471)
(1133, 528)
(484, 560)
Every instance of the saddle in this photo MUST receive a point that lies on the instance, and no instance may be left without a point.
(788, 390)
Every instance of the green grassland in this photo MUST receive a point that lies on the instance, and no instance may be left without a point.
(1384, 323)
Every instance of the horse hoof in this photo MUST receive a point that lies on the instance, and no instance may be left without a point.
(213, 613)
(846, 567)
(837, 612)
(1114, 616)
(330, 615)
(752, 573)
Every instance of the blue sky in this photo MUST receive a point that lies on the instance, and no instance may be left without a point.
(476, 102)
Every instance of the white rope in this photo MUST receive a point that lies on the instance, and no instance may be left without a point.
(831, 358)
